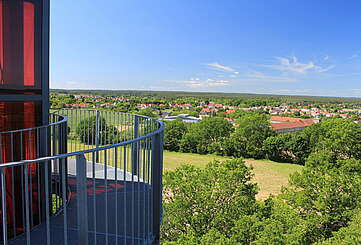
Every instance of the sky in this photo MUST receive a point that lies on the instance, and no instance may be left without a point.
(293, 47)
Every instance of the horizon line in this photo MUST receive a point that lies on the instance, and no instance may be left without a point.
(205, 92)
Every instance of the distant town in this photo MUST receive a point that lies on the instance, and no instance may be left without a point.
(284, 117)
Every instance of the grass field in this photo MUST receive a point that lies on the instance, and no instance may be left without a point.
(270, 176)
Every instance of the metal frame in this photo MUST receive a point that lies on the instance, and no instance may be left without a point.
(45, 58)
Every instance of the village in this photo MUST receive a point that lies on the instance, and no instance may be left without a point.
(283, 117)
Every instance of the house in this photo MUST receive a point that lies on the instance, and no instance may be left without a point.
(82, 105)
(290, 124)
(230, 111)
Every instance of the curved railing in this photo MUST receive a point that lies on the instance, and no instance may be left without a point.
(100, 183)
(24, 144)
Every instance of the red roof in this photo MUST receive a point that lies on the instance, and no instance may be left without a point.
(287, 119)
(79, 105)
(208, 109)
(288, 125)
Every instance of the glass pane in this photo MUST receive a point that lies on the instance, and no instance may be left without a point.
(15, 147)
(18, 61)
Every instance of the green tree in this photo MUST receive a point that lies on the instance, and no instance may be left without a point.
(199, 200)
(349, 235)
(148, 112)
(205, 136)
(290, 147)
(248, 139)
(275, 148)
(326, 188)
(87, 128)
(174, 132)
(341, 137)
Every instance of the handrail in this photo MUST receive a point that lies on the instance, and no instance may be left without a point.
(65, 118)
(71, 154)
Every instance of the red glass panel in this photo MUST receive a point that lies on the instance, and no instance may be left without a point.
(18, 47)
(29, 44)
(18, 146)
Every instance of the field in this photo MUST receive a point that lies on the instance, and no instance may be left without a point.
(270, 176)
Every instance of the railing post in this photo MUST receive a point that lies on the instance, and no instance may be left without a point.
(97, 132)
(82, 200)
(157, 170)
(135, 153)
(65, 150)
(3, 206)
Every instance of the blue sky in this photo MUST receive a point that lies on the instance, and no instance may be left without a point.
(308, 47)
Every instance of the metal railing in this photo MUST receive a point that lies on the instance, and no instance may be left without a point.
(100, 183)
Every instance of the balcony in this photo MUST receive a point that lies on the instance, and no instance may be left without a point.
(88, 177)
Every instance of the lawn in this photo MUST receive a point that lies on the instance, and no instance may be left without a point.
(270, 176)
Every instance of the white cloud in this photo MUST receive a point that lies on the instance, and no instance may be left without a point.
(256, 76)
(220, 67)
(326, 57)
(354, 56)
(319, 69)
(291, 91)
(293, 65)
(218, 83)
(204, 83)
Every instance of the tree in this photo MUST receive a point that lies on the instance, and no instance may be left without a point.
(189, 143)
(290, 147)
(350, 234)
(285, 225)
(326, 188)
(248, 139)
(174, 132)
(197, 201)
(341, 137)
(203, 137)
(148, 112)
(275, 148)
(87, 129)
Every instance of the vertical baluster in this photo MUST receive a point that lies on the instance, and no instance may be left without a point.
(3, 206)
(125, 194)
(97, 131)
(94, 199)
(13, 181)
(106, 195)
(116, 192)
(82, 200)
(38, 175)
(63, 161)
(27, 204)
